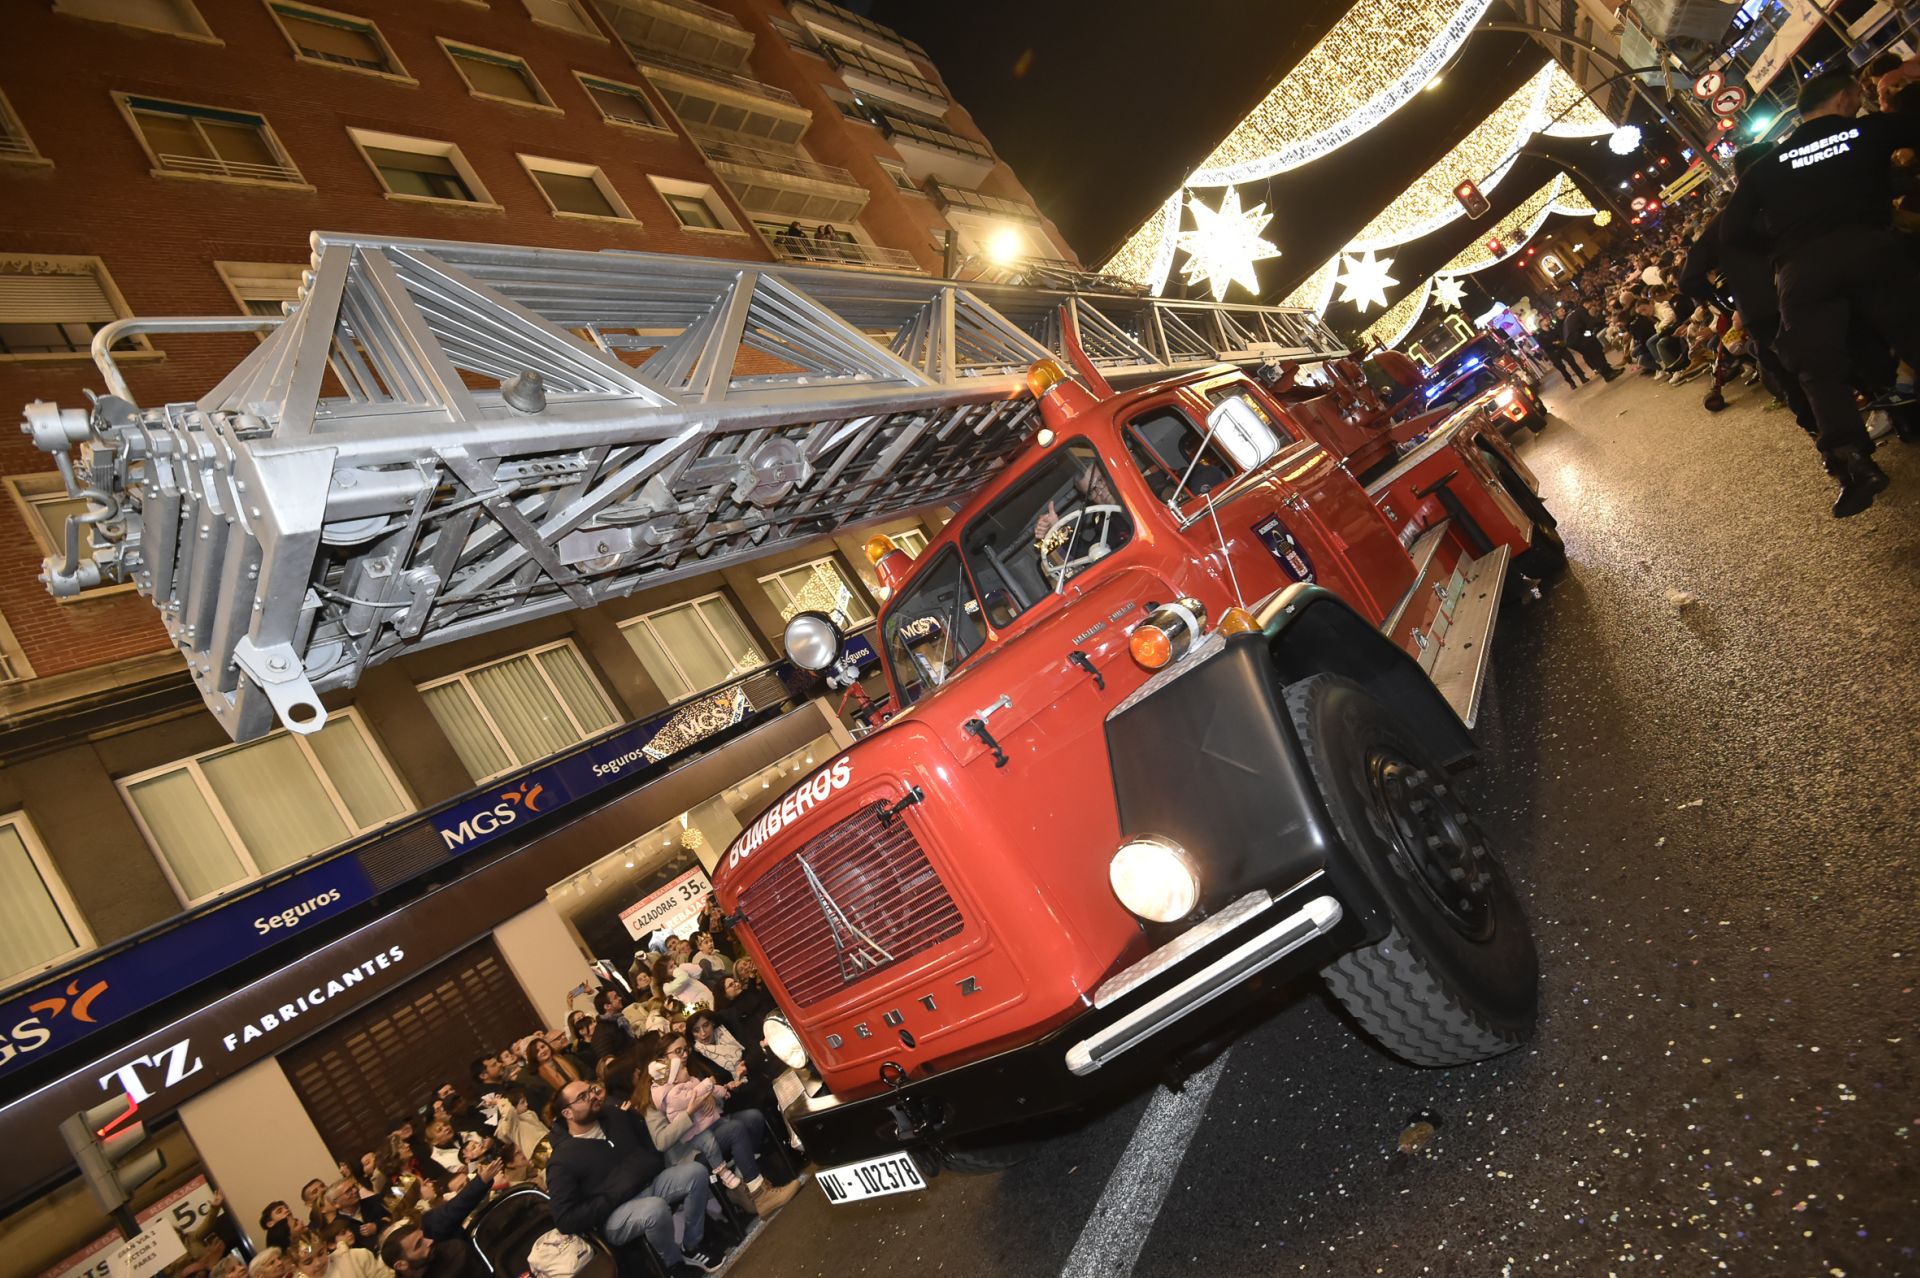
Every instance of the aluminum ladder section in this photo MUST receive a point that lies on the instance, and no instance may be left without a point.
(444, 439)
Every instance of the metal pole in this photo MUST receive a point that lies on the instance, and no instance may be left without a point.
(1530, 28)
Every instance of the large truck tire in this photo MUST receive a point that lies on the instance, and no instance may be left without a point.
(1456, 978)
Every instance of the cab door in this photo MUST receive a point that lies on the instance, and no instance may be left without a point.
(1318, 490)
(1241, 518)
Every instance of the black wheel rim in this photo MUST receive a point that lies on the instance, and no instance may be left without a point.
(1435, 843)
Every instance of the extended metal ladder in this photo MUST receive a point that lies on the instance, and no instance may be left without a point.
(445, 439)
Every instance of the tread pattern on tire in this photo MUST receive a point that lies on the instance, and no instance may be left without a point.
(1398, 1000)
(1393, 993)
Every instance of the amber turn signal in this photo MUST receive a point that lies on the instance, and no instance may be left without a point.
(1150, 646)
(1236, 621)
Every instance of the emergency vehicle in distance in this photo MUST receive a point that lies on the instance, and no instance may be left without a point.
(1172, 704)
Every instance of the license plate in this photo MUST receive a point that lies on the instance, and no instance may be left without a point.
(887, 1174)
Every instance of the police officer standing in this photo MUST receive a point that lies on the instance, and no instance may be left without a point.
(1581, 332)
(1821, 205)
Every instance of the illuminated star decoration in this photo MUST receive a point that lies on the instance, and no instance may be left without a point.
(1223, 245)
(1449, 292)
(1364, 280)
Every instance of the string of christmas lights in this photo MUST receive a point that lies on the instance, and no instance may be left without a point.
(1483, 156)
(1398, 320)
(1377, 57)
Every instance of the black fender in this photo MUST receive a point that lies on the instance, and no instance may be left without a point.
(1310, 630)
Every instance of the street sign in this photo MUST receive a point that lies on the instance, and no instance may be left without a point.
(1729, 100)
(1639, 202)
(1709, 84)
(147, 1253)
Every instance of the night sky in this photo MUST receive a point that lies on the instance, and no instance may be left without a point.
(1102, 108)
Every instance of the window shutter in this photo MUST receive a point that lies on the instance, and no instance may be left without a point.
(54, 299)
(388, 1058)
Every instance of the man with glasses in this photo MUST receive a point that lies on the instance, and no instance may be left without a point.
(606, 1177)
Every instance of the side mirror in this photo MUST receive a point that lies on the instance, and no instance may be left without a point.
(813, 642)
(1240, 432)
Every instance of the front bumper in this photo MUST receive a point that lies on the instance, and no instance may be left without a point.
(1194, 984)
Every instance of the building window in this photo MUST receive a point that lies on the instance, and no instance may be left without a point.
(500, 76)
(696, 205)
(52, 305)
(262, 288)
(200, 141)
(14, 142)
(421, 169)
(337, 39)
(509, 713)
(693, 646)
(221, 818)
(619, 103)
(566, 15)
(39, 924)
(897, 173)
(576, 190)
(43, 503)
(817, 586)
(13, 658)
(173, 17)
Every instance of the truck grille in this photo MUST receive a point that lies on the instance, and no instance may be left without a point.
(851, 902)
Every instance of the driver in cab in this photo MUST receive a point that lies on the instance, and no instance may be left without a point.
(1095, 489)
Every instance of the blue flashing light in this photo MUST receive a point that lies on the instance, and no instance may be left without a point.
(1473, 362)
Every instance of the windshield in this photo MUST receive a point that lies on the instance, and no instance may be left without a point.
(932, 627)
(1046, 530)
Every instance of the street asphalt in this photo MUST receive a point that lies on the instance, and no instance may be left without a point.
(1701, 755)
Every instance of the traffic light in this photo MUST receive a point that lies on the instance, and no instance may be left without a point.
(1468, 193)
(99, 1139)
(1496, 247)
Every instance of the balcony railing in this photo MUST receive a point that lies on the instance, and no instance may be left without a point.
(862, 22)
(899, 126)
(213, 167)
(815, 252)
(708, 12)
(853, 60)
(674, 62)
(13, 144)
(948, 196)
(753, 157)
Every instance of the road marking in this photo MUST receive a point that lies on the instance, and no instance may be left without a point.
(1109, 1245)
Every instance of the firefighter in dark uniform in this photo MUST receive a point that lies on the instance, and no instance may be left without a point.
(1822, 206)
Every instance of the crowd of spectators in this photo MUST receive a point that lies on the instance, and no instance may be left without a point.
(623, 1117)
(1802, 278)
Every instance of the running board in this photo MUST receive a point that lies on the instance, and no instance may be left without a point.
(1460, 668)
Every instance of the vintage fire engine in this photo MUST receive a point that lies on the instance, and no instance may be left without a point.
(1174, 702)
(1173, 699)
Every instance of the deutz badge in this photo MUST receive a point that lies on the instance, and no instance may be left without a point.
(1288, 553)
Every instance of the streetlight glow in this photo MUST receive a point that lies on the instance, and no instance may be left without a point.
(1624, 139)
(1004, 246)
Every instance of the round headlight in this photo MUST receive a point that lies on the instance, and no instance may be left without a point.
(1156, 879)
(813, 641)
(783, 1042)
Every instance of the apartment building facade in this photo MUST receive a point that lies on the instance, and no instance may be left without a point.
(171, 157)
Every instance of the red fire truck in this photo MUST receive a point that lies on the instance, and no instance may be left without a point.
(1173, 704)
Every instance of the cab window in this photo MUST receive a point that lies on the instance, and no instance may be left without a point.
(932, 627)
(1167, 447)
(1046, 530)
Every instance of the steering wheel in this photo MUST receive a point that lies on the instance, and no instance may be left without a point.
(1056, 546)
